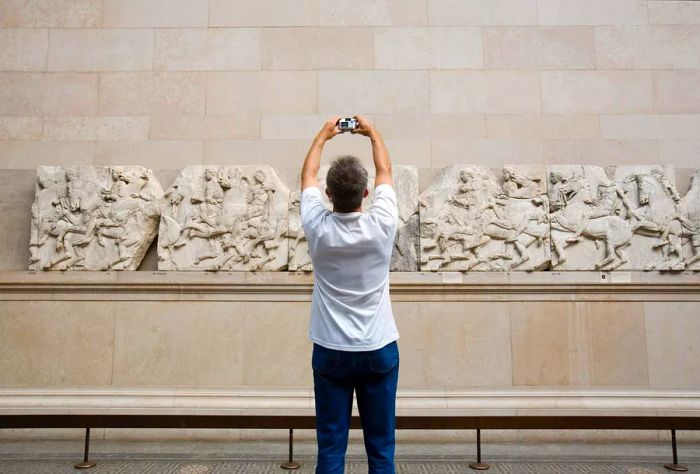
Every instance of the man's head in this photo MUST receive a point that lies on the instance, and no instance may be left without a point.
(346, 184)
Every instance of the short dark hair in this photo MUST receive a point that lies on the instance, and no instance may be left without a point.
(346, 182)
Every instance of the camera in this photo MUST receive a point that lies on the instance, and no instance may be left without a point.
(346, 124)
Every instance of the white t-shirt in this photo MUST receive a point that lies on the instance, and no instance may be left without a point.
(351, 252)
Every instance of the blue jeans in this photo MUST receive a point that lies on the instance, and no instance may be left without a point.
(373, 375)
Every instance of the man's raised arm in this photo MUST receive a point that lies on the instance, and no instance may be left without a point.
(312, 163)
(380, 154)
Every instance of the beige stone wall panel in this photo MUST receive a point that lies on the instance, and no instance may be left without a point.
(261, 92)
(23, 49)
(77, 128)
(263, 13)
(50, 13)
(88, 50)
(592, 12)
(317, 48)
(48, 94)
(162, 93)
(532, 127)
(482, 12)
(155, 13)
(20, 128)
(676, 91)
(485, 92)
(200, 127)
(428, 48)
(373, 92)
(595, 92)
(648, 47)
(539, 48)
(672, 12)
(373, 12)
(201, 49)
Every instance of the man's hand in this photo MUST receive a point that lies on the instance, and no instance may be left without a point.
(329, 130)
(364, 127)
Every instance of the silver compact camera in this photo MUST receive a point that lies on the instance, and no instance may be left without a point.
(346, 124)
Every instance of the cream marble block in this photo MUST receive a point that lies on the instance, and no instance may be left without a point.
(155, 13)
(77, 128)
(373, 12)
(447, 126)
(410, 152)
(383, 92)
(28, 155)
(532, 127)
(20, 128)
(100, 50)
(179, 344)
(482, 92)
(592, 12)
(159, 154)
(276, 348)
(600, 152)
(482, 12)
(161, 93)
(263, 13)
(277, 153)
(594, 92)
(317, 48)
(428, 48)
(485, 152)
(90, 218)
(261, 92)
(48, 94)
(199, 127)
(23, 49)
(672, 12)
(50, 13)
(405, 251)
(225, 218)
(52, 343)
(453, 345)
(213, 49)
(529, 47)
(541, 343)
(671, 333)
(681, 153)
(293, 127)
(16, 195)
(676, 91)
(648, 47)
(650, 126)
(472, 221)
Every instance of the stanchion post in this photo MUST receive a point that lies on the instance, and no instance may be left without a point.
(291, 464)
(675, 466)
(86, 464)
(478, 465)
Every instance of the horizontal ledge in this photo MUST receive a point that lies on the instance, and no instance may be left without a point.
(247, 401)
(405, 286)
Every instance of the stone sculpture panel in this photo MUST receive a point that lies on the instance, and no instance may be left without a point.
(228, 218)
(93, 218)
(405, 255)
(689, 221)
(470, 220)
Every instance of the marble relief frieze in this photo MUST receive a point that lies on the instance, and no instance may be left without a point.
(468, 219)
(93, 218)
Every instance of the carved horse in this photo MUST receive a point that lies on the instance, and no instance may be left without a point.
(613, 230)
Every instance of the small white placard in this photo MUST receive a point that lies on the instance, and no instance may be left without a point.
(452, 277)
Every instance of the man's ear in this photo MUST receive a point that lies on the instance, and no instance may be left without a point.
(366, 193)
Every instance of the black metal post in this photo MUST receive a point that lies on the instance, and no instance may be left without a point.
(478, 465)
(291, 464)
(675, 466)
(86, 464)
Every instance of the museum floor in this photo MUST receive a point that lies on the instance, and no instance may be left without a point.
(177, 457)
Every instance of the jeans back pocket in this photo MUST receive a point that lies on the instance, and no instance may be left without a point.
(324, 361)
(384, 360)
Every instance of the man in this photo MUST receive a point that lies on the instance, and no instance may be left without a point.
(352, 325)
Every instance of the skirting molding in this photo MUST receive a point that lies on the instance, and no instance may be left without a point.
(285, 401)
(288, 286)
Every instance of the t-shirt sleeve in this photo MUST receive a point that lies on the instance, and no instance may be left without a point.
(384, 207)
(312, 209)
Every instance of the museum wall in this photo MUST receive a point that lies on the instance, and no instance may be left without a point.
(171, 83)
